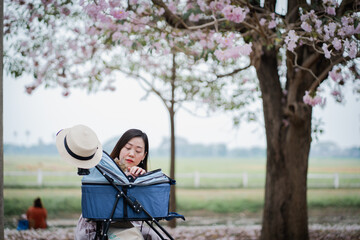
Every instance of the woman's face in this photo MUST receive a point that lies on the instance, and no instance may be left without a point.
(133, 152)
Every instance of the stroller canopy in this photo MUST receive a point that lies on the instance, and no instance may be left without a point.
(108, 165)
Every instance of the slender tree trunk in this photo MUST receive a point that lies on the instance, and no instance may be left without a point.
(2, 236)
(171, 109)
(288, 145)
(172, 223)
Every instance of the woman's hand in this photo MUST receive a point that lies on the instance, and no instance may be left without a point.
(136, 171)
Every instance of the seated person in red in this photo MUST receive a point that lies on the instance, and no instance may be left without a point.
(36, 215)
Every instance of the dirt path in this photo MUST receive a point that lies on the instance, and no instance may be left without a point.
(250, 232)
(325, 224)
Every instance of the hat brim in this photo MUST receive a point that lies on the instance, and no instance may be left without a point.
(76, 162)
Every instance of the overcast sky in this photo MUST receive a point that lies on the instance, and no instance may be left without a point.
(29, 118)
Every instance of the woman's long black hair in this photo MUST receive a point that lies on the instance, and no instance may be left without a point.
(125, 138)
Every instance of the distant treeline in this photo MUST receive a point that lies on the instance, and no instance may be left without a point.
(186, 149)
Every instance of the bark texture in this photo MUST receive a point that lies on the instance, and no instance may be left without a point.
(288, 145)
(288, 136)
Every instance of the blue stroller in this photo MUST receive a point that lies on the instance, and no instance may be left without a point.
(108, 195)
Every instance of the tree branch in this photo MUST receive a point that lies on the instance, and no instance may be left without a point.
(171, 18)
(177, 22)
(214, 23)
(307, 63)
(144, 80)
(234, 72)
(325, 73)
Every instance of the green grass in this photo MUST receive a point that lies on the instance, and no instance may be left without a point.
(211, 165)
(210, 197)
(344, 167)
(68, 201)
(187, 165)
(16, 201)
(33, 163)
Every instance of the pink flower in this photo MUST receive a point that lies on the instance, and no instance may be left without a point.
(239, 14)
(194, 18)
(210, 44)
(326, 50)
(312, 100)
(234, 14)
(291, 40)
(272, 24)
(104, 18)
(91, 31)
(233, 52)
(337, 44)
(161, 11)
(203, 5)
(262, 21)
(347, 20)
(352, 51)
(217, 6)
(335, 74)
(73, 45)
(228, 41)
(349, 30)
(330, 11)
(203, 43)
(172, 7)
(219, 54)
(318, 24)
(119, 14)
(114, 3)
(304, 17)
(245, 49)
(92, 10)
(306, 26)
(330, 6)
(116, 36)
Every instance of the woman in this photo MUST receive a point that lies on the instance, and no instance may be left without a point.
(131, 154)
(36, 215)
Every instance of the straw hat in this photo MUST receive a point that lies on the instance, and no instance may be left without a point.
(80, 146)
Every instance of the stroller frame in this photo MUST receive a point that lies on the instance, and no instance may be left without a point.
(123, 187)
(135, 205)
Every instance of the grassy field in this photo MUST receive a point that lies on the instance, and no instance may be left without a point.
(64, 201)
(254, 168)
(67, 200)
(186, 165)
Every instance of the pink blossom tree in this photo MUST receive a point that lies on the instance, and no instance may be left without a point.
(292, 54)
(63, 47)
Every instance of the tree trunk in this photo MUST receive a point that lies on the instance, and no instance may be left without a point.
(2, 236)
(172, 223)
(288, 145)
